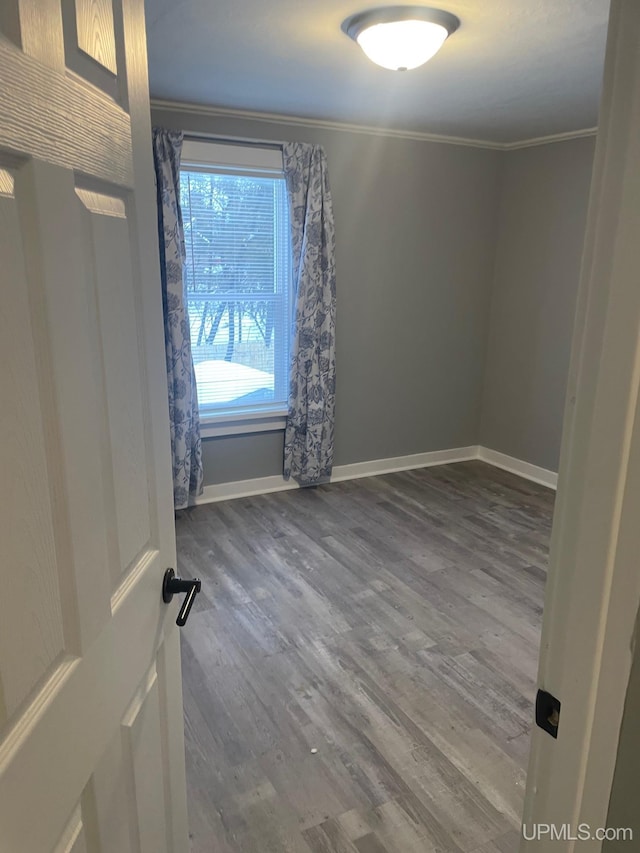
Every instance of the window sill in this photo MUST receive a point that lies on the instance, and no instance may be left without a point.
(242, 424)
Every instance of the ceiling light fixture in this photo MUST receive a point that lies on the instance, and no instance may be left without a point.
(401, 37)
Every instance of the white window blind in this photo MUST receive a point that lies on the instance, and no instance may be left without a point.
(236, 225)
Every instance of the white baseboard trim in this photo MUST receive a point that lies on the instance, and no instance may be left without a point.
(244, 489)
(265, 485)
(403, 463)
(375, 467)
(517, 466)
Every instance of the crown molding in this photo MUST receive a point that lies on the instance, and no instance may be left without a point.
(298, 121)
(548, 140)
(394, 133)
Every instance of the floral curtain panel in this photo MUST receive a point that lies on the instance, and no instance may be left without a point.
(183, 395)
(308, 448)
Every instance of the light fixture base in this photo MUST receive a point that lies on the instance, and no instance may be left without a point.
(355, 24)
(400, 37)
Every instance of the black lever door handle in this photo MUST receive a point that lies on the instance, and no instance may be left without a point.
(172, 585)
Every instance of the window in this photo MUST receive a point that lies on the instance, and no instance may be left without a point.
(236, 227)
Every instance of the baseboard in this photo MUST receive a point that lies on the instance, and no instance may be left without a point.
(375, 467)
(372, 468)
(517, 466)
(403, 463)
(244, 489)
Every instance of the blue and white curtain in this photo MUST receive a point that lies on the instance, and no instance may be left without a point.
(183, 395)
(309, 434)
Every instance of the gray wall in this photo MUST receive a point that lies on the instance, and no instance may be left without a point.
(415, 224)
(541, 222)
(625, 791)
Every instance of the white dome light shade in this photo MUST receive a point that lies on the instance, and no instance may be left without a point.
(402, 45)
(401, 37)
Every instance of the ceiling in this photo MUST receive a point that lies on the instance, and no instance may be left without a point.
(516, 69)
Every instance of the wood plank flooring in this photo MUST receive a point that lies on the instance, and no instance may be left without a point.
(390, 623)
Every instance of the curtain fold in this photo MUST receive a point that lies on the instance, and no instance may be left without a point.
(309, 433)
(184, 418)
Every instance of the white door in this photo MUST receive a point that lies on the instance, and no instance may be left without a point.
(91, 753)
(594, 582)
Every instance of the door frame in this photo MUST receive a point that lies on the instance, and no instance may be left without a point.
(593, 590)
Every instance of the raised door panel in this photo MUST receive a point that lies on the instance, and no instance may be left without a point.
(108, 252)
(35, 27)
(92, 49)
(59, 283)
(141, 734)
(73, 838)
(106, 802)
(96, 38)
(31, 625)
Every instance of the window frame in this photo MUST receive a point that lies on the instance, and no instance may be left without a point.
(263, 160)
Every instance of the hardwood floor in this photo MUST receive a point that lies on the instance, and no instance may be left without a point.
(390, 623)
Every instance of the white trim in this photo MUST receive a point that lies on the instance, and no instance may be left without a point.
(375, 467)
(244, 489)
(215, 428)
(548, 140)
(265, 485)
(590, 628)
(519, 467)
(397, 133)
(299, 121)
(199, 152)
